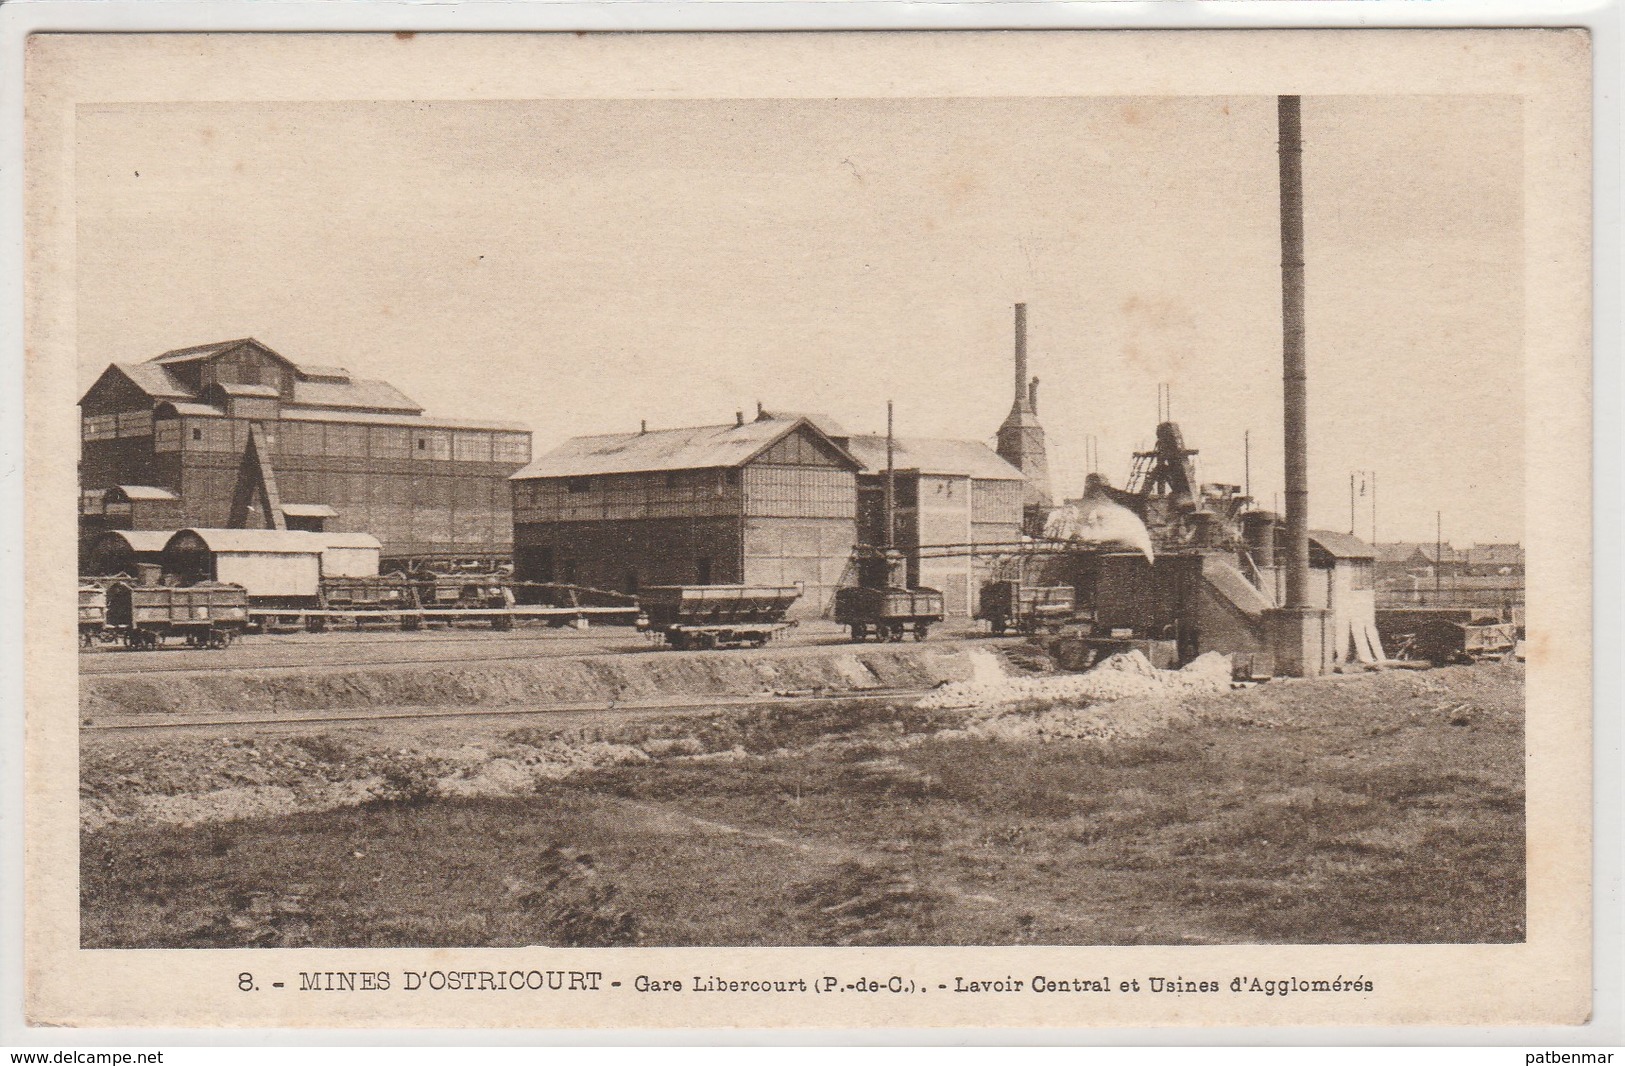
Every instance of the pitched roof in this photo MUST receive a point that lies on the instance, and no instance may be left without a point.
(155, 381)
(308, 510)
(233, 388)
(400, 418)
(201, 351)
(1341, 545)
(1400, 551)
(826, 425)
(376, 395)
(259, 541)
(934, 455)
(689, 448)
(1495, 555)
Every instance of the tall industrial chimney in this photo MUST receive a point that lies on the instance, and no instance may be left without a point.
(1021, 438)
(1021, 353)
(1298, 630)
(1293, 377)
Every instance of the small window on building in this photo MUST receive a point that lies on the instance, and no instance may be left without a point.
(702, 570)
(632, 582)
(578, 484)
(423, 445)
(731, 476)
(197, 434)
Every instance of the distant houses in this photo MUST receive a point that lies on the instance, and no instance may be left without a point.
(1404, 560)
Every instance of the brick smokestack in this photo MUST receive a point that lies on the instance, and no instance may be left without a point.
(1021, 357)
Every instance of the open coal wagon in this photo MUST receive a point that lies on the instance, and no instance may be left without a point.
(1029, 609)
(1445, 635)
(888, 613)
(715, 616)
(92, 613)
(208, 615)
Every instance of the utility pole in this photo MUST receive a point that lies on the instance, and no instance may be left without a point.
(1351, 504)
(1247, 463)
(1438, 554)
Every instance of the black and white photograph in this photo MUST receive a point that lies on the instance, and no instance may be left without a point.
(942, 509)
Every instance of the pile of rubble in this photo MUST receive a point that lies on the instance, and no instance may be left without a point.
(1123, 676)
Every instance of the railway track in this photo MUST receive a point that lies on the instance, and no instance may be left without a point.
(353, 716)
(140, 670)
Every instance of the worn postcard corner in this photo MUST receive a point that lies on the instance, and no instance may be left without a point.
(865, 529)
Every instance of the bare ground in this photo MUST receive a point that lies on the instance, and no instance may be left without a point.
(1372, 808)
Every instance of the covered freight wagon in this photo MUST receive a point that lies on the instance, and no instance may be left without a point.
(273, 565)
(122, 551)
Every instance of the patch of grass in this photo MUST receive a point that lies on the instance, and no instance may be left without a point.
(1288, 816)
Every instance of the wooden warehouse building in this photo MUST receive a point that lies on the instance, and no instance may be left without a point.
(768, 502)
(236, 435)
(781, 500)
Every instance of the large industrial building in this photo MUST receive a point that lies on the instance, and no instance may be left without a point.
(767, 502)
(236, 435)
(782, 499)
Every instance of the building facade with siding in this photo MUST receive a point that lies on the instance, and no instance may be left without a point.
(768, 502)
(236, 435)
(957, 497)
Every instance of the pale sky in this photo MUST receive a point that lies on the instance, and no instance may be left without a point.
(581, 265)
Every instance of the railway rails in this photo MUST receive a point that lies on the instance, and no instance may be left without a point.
(361, 716)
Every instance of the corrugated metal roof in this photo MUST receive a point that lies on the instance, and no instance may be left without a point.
(139, 540)
(1341, 545)
(259, 541)
(934, 455)
(372, 418)
(308, 510)
(145, 492)
(379, 395)
(689, 448)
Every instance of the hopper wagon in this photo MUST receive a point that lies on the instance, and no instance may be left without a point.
(716, 616)
(889, 612)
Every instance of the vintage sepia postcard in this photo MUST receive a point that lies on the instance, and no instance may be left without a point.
(1043, 529)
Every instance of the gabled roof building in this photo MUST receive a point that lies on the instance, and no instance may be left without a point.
(234, 434)
(767, 502)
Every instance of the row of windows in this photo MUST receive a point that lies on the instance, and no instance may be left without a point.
(675, 486)
(108, 427)
(317, 438)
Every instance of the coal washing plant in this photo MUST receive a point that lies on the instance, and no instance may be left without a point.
(303, 497)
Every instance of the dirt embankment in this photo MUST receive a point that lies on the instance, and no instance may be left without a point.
(619, 678)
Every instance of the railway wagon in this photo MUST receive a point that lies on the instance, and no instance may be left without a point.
(889, 612)
(1445, 634)
(208, 615)
(278, 568)
(1028, 609)
(716, 616)
(92, 613)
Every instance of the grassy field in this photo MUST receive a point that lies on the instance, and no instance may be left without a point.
(1379, 808)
